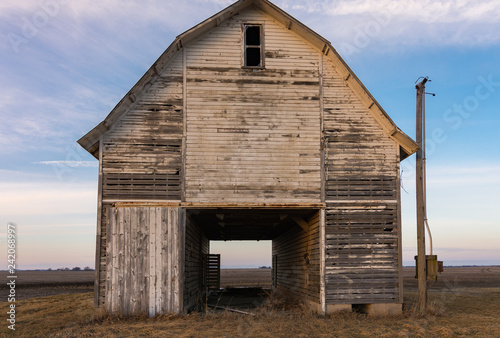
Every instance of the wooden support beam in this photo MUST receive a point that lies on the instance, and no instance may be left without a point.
(303, 224)
(97, 281)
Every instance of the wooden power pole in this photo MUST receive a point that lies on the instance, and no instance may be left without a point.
(421, 255)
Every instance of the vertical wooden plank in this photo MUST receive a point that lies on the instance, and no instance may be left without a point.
(152, 263)
(143, 261)
(182, 219)
(121, 258)
(170, 268)
(109, 259)
(97, 286)
(133, 240)
(126, 261)
(399, 227)
(322, 260)
(114, 264)
(165, 264)
(164, 259)
(173, 254)
(158, 260)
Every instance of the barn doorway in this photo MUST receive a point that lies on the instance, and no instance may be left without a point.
(244, 263)
(292, 239)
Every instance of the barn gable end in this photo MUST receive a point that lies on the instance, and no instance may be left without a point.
(252, 134)
(202, 135)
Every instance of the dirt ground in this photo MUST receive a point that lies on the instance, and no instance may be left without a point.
(32, 284)
(464, 302)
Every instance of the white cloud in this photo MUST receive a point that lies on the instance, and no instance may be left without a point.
(402, 22)
(52, 198)
(457, 176)
(71, 164)
(462, 22)
(449, 176)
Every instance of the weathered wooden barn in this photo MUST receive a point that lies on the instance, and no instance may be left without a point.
(250, 126)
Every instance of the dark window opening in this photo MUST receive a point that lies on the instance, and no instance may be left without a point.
(253, 36)
(253, 57)
(253, 46)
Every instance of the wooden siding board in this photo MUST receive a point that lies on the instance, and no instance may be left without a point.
(237, 167)
(133, 243)
(362, 253)
(151, 262)
(399, 225)
(103, 256)
(292, 273)
(196, 246)
(159, 259)
(125, 266)
(109, 259)
(142, 265)
(141, 242)
(142, 153)
(99, 225)
(361, 182)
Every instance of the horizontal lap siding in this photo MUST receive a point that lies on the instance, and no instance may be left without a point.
(252, 135)
(362, 253)
(196, 246)
(143, 268)
(291, 270)
(142, 153)
(361, 167)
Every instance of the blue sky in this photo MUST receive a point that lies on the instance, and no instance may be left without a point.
(64, 65)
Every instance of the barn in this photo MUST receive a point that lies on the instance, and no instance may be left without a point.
(250, 126)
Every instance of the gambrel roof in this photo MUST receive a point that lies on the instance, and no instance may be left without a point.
(91, 140)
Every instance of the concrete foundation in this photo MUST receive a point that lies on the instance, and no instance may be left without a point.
(315, 307)
(381, 309)
(332, 308)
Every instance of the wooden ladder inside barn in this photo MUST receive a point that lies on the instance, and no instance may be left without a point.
(211, 272)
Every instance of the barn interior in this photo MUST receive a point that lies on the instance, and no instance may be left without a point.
(294, 233)
(248, 224)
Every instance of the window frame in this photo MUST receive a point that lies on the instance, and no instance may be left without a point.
(245, 46)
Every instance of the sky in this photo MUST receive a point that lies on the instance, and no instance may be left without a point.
(64, 65)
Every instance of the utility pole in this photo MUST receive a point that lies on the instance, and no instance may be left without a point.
(421, 255)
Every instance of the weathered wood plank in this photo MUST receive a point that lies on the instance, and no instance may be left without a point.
(298, 260)
(222, 95)
(158, 259)
(152, 262)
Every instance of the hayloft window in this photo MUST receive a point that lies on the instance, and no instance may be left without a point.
(253, 46)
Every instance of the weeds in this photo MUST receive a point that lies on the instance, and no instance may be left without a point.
(475, 313)
(280, 300)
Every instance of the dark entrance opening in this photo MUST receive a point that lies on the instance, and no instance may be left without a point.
(294, 233)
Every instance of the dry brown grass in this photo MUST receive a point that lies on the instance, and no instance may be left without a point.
(470, 312)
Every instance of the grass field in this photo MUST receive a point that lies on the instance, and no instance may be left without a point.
(465, 302)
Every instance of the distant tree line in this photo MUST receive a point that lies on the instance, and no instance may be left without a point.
(76, 268)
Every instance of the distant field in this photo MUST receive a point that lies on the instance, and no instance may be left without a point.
(464, 302)
(47, 283)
